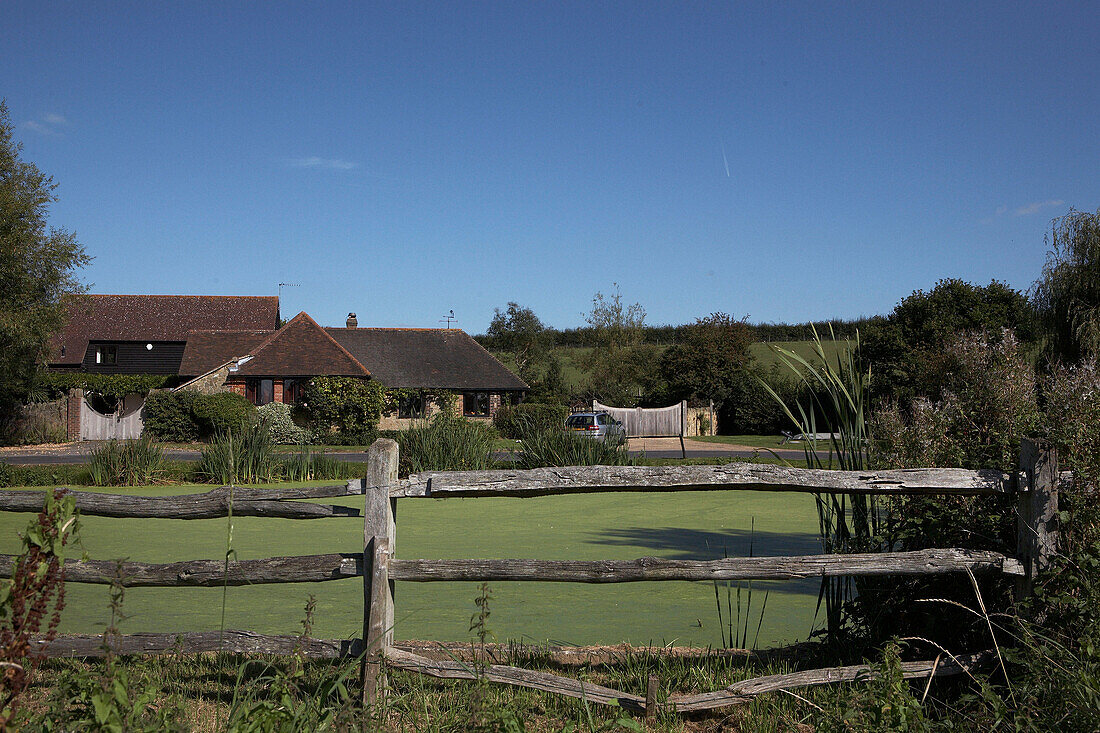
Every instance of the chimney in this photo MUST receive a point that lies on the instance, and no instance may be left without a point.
(353, 322)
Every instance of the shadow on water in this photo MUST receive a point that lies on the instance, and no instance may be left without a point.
(681, 543)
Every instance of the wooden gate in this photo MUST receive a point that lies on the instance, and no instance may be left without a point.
(122, 424)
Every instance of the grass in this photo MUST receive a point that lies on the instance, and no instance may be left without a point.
(703, 525)
(750, 441)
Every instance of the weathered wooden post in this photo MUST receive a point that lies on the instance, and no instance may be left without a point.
(651, 697)
(379, 530)
(1037, 509)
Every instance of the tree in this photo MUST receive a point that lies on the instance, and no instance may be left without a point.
(1067, 296)
(622, 368)
(38, 267)
(711, 361)
(519, 332)
(906, 349)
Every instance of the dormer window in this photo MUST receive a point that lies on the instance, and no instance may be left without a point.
(106, 354)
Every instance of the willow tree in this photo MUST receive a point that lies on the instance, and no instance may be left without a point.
(1067, 296)
(38, 265)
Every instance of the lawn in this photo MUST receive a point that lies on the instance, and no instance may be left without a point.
(700, 525)
(751, 441)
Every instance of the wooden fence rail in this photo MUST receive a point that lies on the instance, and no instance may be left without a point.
(1036, 485)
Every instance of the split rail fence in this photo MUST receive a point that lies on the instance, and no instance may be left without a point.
(1035, 485)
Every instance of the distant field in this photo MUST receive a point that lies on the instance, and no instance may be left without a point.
(701, 525)
(572, 357)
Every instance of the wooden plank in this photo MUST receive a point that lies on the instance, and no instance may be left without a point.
(210, 505)
(750, 476)
(920, 562)
(209, 573)
(1037, 511)
(195, 642)
(379, 530)
(743, 692)
(450, 669)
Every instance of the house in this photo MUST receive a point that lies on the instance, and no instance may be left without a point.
(235, 343)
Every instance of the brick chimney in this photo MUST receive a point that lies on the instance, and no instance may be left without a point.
(353, 322)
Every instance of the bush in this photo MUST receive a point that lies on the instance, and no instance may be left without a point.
(555, 447)
(169, 417)
(245, 456)
(222, 411)
(127, 463)
(342, 405)
(447, 443)
(510, 420)
(284, 431)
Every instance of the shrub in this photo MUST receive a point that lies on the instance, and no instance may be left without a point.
(342, 405)
(244, 456)
(222, 411)
(447, 443)
(284, 431)
(127, 463)
(510, 420)
(555, 447)
(168, 416)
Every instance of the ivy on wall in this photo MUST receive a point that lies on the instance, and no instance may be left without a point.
(108, 386)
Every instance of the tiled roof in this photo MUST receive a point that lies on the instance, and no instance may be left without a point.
(208, 350)
(155, 318)
(301, 348)
(426, 358)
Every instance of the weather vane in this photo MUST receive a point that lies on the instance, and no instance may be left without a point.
(448, 318)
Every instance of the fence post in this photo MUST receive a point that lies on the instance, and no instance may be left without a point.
(1037, 511)
(379, 530)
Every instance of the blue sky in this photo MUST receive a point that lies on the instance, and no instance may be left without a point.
(784, 161)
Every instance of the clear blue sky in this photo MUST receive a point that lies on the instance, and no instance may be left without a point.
(784, 161)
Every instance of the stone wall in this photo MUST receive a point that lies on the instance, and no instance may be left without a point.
(43, 422)
(700, 421)
(211, 383)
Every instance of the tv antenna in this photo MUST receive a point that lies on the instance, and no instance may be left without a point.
(448, 318)
(287, 285)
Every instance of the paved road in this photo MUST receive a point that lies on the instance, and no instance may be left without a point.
(78, 453)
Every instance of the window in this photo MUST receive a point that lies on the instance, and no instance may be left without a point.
(601, 419)
(411, 407)
(259, 391)
(106, 354)
(514, 398)
(475, 404)
(292, 390)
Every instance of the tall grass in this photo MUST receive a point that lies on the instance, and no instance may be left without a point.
(837, 393)
(127, 463)
(447, 443)
(245, 456)
(552, 446)
(309, 464)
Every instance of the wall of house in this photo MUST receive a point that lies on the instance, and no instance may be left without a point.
(211, 383)
(133, 358)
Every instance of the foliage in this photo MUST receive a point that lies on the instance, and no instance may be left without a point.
(242, 456)
(988, 404)
(168, 416)
(620, 366)
(35, 594)
(221, 412)
(554, 446)
(1067, 295)
(37, 268)
(280, 422)
(519, 332)
(905, 350)
(111, 387)
(446, 443)
(881, 703)
(711, 361)
(749, 409)
(313, 465)
(838, 392)
(128, 463)
(344, 405)
(512, 420)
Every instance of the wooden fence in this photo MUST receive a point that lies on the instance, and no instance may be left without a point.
(1036, 486)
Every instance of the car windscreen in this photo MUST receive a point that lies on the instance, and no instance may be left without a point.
(578, 421)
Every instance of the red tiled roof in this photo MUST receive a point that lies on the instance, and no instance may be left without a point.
(301, 348)
(156, 318)
(208, 350)
(426, 358)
